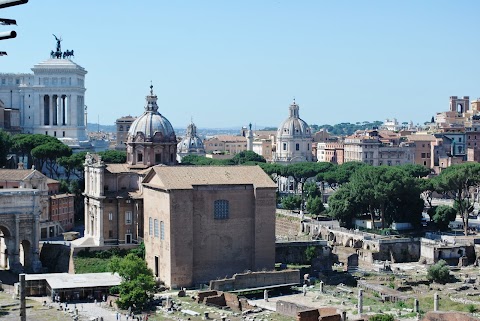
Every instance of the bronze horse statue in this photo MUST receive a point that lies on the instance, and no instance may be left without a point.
(68, 53)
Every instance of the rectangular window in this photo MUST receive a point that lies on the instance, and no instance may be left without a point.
(110, 216)
(220, 210)
(139, 157)
(423, 155)
(284, 146)
(158, 158)
(155, 225)
(150, 226)
(162, 230)
(297, 146)
(128, 217)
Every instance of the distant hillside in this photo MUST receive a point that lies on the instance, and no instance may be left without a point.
(103, 128)
(346, 129)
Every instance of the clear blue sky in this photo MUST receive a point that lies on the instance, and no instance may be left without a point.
(229, 63)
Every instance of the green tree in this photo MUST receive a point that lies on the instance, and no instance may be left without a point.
(245, 157)
(73, 165)
(301, 172)
(5, 146)
(340, 174)
(311, 190)
(388, 191)
(272, 169)
(416, 170)
(458, 181)
(47, 154)
(439, 272)
(113, 156)
(443, 216)
(343, 207)
(137, 281)
(291, 202)
(201, 161)
(23, 144)
(315, 205)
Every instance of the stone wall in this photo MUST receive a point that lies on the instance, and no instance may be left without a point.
(448, 316)
(289, 308)
(256, 280)
(55, 257)
(308, 315)
(287, 227)
(222, 299)
(294, 252)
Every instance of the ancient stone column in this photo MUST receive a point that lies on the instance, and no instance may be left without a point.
(360, 302)
(415, 305)
(435, 302)
(23, 310)
(321, 286)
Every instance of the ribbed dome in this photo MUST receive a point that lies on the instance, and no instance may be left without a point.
(151, 121)
(294, 126)
(191, 142)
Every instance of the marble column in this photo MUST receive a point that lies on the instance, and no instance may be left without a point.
(360, 302)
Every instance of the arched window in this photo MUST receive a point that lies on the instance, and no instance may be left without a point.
(156, 227)
(221, 210)
(162, 230)
(150, 226)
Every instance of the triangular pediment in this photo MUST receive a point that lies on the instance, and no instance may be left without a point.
(35, 175)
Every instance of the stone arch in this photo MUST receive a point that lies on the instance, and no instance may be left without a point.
(349, 242)
(5, 235)
(357, 244)
(25, 255)
(331, 236)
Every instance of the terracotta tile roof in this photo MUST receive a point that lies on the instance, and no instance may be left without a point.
(421, 137)
(117, 168)
(16, 174)
(185, 177)
(52, 181)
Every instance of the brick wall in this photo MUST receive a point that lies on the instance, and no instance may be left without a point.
(309, 315)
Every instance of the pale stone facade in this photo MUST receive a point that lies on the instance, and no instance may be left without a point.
(123, 126)
(370, 148)
(331, 152)
(113, 192)
(20, 230)
(294, 139)
(227, 144)
(202, 223)
(191, 144)
(50, 101)
(33, 179)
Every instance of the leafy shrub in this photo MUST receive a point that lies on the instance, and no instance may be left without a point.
(291, 202)
(381, 317)
(310, 253)
(471, 308)
(439, 272)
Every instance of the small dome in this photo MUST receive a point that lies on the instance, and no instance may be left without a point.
(191, 142)
(294, 126)
(151, 122)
